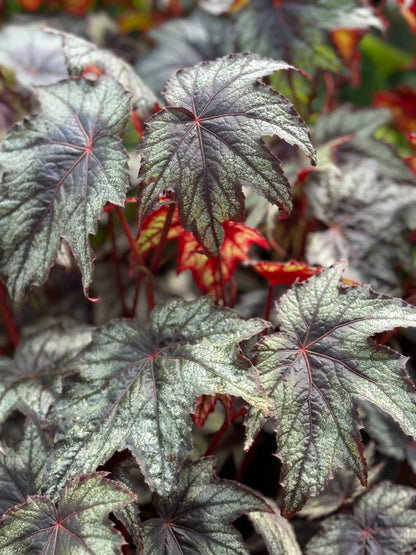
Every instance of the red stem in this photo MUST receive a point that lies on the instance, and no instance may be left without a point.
(117, 264)
(6, 316)
(138, 257)
(221, 276)
(269, 303)
(219, 435)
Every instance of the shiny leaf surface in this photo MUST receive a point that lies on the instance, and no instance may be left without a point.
(317, 367)
(207, 144)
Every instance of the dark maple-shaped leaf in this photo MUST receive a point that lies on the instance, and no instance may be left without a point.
(139, 388)
(278, 273)
(152, 228)
(77, 523)
(211, 272)
(369, 219)
(35, 57)
(346, 134)
(81, 54)
(196, 519)
(58, 170)
(22, 469)
(383, 522)
(32, 380)
(277, 532)
(298, 32)
(207, 144)
(317, 367)
(391, 440)
(184, 42)
(343, 489)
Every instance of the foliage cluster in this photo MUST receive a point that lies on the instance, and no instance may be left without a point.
(207, 253)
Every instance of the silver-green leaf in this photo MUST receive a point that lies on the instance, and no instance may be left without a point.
(196, 519)
(318, 366)
(206, 144)
(77, 524)
(58, 169)
(139, 387)
(32, 380)
(383, 522)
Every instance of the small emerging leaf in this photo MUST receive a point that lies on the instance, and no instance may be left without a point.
(318, 366)
(197, 518)
(58, 170)
(139, 388)
(278, 273)
(207, 144)
(211, 272)
(78, 523)
(383, 521)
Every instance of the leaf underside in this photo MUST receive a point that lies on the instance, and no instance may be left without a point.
(139, 388)
(207, 144)
(317, 367)
(73, 163)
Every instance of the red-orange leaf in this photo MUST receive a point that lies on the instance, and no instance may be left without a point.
(205, 404)
(408, 9)
(285, 273)
(207, 271)
(151, 231)
(402, 101)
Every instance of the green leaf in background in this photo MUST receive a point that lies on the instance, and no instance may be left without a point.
(317, 367)
(73, 162)
(369, 222)
(182, 43)
(391, 441)
(80, 54)
(383, 522)
(196, 519)
(22, 469)
(140, 386)
(77, 524)
(207, 144)
(277, 532)
(33, 379)
(298, 32)
(346, 135)
(35, 57)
